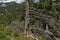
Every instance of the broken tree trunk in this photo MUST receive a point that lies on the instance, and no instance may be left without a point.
(27, 27)
(26, 17)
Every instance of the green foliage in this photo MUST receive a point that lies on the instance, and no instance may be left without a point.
(15, 13)
(45, 5)
(16, 34)
(6, 33)
(41, 38)
(9, 34)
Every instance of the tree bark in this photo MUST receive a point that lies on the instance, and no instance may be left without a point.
(27, 18)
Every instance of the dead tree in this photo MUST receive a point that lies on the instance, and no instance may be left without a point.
(26, 16)
(27, 30)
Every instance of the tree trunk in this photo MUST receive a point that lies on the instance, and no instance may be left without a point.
(27, 30)
(27, 18)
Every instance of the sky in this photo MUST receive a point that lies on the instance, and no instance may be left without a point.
(17, 1)
(36, 0)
